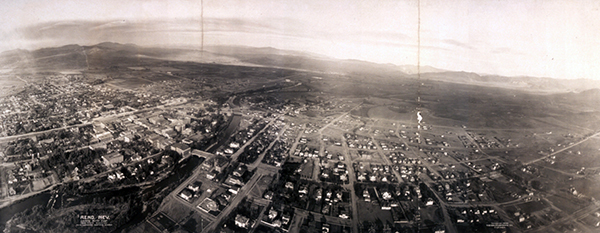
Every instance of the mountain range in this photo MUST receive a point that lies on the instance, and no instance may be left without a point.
(108, 54)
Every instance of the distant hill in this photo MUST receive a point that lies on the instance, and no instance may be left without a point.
(76, 57)
(108, 54)
(589, 98)
(306, 61)
(521, 82)
(411, 69)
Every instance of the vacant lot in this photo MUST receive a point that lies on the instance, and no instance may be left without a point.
(371, 213)
(261, 185)
(503, 192)
(174, 209)
(533, 206)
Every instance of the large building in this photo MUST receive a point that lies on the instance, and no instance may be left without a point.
(181, 148)
(103, 135)
(112, 159)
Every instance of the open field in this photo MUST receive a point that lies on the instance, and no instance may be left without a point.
(129, 83)
(9, 85)
(567, 205)
(585, 155)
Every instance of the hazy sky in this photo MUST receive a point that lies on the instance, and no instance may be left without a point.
(550, 38)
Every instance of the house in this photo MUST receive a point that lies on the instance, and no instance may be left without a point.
(242, 221)
(220, 163)
(195, 187)
(373, 177)
(272, 214)
(208, 164)
(366, 195)
(439, 230)
(285, 218)
(112, 159)
(268, 195)
(318, 194)
(326, 173)
(343, 178)
(233, 180)
(429, 202)
(361, 177)
(343, 213)
(234, 189)
(385, 205)
(328, 195)
(289, 185)
(208, 205)
(240, 170)
(186, 194)
(212, 175)
(303, 189)
(222, 201)
(234, 145)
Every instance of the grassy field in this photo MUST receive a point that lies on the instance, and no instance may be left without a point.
(586, 155)
(589, 187)
(385, 112)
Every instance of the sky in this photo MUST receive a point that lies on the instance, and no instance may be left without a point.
(550, 38)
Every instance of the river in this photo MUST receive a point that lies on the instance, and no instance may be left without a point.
(8, 212)
(231, 128)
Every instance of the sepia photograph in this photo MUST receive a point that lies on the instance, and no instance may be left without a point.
(304, 116)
